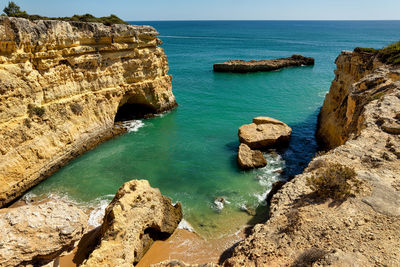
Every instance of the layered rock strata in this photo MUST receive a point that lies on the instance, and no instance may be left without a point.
(304, 230)
(37, 234)
(137, 216)
(61, 85)
(242, 66)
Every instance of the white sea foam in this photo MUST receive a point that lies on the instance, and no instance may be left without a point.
(28, 197)
(133, 125)
(269, 174)
(261, 197)
(186, 226)
(219, 205)
(96, 215)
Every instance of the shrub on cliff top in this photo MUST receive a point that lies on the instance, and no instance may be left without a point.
(335, 181)
(13, 10)
(389, 54)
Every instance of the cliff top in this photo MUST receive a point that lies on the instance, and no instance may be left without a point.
(388, 55)
(36, 32)
(13, 10)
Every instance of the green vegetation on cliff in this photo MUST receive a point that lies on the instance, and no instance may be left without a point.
(389, 54)
(13, 10)
(336, 181)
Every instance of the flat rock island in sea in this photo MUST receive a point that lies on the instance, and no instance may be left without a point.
(242, 66)
(264, 132)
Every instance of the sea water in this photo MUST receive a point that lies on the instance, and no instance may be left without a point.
(190, 153)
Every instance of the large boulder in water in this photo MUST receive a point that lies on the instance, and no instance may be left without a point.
(264, 132)
(137, 216)
(248, 159)
(37, 234)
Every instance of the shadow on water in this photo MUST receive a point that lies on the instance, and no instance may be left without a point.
(302, 146)
(297, 155)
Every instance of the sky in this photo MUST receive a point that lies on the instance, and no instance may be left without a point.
(142, 10)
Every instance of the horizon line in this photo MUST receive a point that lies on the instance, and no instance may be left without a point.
(267, 20)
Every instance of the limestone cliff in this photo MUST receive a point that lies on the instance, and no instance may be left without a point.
(61, 85)
(361, 115)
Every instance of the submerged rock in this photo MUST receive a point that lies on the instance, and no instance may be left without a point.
(137, 216)
(248, 159)
(264, 132)
(263, 65)
(37, 234)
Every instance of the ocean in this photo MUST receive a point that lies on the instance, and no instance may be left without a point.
(190, 153)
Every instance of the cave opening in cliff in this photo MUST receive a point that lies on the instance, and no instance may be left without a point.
(129, 110)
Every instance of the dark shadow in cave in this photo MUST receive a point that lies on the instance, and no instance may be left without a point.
(129, 109)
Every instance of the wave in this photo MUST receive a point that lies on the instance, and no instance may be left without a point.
(186, 226)
(133, 125)
(97, 214)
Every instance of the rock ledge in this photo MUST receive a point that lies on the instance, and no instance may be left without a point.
(242, 66)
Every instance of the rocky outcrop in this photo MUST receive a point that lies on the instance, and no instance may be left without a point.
(249, 159)
(264, 132)
(305, 230)
(37, 234)
(61, 85)
(242, 66)
(137, 216)
(340, 117)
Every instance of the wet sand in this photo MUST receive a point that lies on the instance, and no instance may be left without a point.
(181, 245)
(189, 248)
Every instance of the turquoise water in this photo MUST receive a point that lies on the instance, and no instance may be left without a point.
(190, 153)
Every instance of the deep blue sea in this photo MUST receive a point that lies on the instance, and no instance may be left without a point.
(190, 153)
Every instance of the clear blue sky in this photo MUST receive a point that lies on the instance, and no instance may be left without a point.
(219, 9)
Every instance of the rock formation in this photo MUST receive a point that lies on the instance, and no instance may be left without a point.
(264, 132)
(37, 234)
(242, 66)
(359, 118)
(61, 85)
(137, 216)
(248, 159)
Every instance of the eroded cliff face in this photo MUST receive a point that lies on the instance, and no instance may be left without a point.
(138, 216)
(61, 84)
(340, 116)
(361, 116)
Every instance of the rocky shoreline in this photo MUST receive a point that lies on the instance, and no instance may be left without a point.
(241, 66)
(359, 230)
(62, 86)
(46, 124)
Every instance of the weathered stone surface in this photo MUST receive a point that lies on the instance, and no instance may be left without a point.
(137, 216)
(61, 84)
(177, 263)
(361, 230)
(242, 66)
(37, 234)
(248, 159)
(264, 132)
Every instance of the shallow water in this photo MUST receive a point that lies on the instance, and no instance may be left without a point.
(190, 153)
